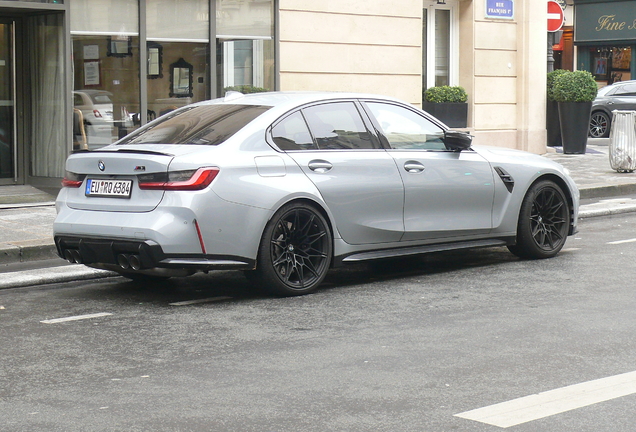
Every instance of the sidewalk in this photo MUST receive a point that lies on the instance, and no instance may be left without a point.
(27, 214)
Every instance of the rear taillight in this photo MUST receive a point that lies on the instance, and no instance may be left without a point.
(179, 180)
(73, 180)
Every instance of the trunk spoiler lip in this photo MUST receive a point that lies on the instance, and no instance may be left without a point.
(123, 150)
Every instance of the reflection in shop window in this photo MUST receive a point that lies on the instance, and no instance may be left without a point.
(245, 45)
(178, 54)
(105, 42)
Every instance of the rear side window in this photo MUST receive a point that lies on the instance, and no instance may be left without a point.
(626, 90)
(199, 125)
(292, 134)
(338, 125)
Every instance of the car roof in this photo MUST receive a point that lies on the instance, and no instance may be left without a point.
(287, 98)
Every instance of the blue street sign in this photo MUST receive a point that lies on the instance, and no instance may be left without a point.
(500, 9)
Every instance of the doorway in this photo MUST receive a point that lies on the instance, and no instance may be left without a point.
(8, 121)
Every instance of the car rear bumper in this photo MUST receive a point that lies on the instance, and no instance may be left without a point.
(131, 256)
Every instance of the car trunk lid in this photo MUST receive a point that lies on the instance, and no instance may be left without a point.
(110, 179)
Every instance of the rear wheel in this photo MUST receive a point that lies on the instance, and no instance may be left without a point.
(599, 125)
(295, 251)
(543, 222)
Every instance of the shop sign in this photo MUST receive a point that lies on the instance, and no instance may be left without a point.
(500, 9)
(604, 22)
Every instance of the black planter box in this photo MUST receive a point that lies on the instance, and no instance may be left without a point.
(575, 122)
(454, 115)
(553, 125)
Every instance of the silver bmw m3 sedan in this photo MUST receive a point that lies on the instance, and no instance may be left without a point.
(287, 185)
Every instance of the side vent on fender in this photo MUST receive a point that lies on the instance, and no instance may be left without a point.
(506, 178)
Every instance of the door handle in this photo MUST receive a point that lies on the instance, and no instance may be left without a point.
(320, 166)
(414, 167)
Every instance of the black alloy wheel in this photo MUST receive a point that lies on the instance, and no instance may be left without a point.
(295, 251)
(544, 222)
(599, 125)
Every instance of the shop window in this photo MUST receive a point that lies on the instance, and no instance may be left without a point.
(611, 64)
(105, 42)
(245, 45)
(178, 47)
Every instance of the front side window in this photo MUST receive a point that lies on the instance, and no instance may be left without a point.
(197, 125)
(338, 126)
(405, 129)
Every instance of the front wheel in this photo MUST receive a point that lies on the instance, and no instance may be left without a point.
(295, 251)
(543, 222)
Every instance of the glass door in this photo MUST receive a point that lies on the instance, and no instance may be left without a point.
(8, 149)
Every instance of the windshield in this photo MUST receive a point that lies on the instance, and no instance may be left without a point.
(198, 125)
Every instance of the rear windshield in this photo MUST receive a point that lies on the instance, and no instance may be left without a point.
(199, 125)
(101, 99)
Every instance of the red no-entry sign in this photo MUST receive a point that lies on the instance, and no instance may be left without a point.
(555, 16)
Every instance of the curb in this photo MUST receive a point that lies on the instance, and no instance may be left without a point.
(67, 273)
(608, 191)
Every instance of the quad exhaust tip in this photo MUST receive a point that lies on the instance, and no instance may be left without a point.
(127, 262)
(73, 256)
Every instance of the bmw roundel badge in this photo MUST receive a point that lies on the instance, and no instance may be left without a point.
(101, 165)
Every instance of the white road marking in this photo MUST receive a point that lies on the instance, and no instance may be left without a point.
(76, 318)
(553, 402)
(622, 241)
(206, 300)
(570, 249)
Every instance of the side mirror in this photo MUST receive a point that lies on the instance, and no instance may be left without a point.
(457, 140)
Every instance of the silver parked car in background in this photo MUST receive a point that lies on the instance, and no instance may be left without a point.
(286, 185)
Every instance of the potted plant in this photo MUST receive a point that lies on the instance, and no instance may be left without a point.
(552, 123)
(245, 89)
(574, 92)
(448, 104)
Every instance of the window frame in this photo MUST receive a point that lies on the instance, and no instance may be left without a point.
(366, 121)
(430, 49)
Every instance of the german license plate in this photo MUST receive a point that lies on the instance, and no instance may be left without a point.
(108, 188)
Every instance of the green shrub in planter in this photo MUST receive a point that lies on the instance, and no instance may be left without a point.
(574, 92)
(577, 86)
(448, 104)
(445, 94)
(552, 124)
(245, 89)
(552, 77)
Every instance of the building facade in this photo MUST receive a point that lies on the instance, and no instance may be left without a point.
(605, 39)
(113, 65)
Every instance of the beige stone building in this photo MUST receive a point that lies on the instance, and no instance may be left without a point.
(136, 59)
(372, 46)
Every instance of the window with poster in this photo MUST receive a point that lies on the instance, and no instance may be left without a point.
(611, 64)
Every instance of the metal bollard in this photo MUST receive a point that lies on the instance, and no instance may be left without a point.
(622, 150)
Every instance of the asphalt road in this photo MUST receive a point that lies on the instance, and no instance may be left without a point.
(408, 345)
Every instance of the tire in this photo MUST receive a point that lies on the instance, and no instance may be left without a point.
(295, 251)
(544, 222)
(599, 125)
